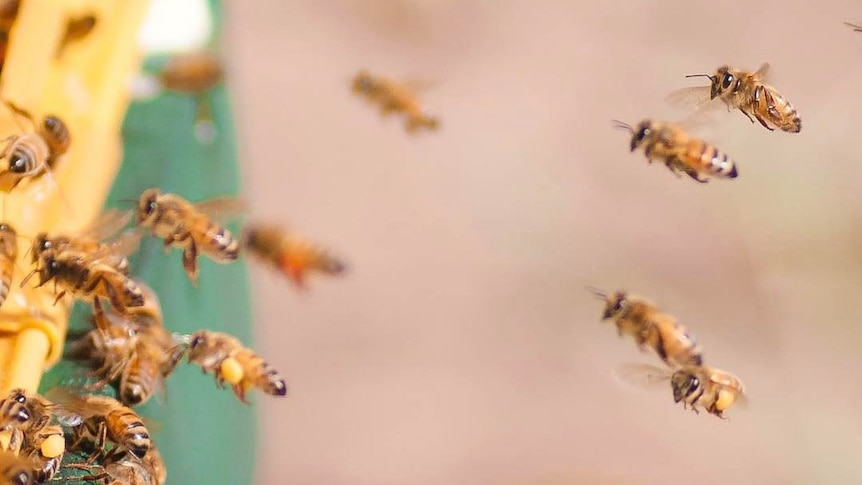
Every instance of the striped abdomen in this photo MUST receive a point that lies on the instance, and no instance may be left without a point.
(219, 244)
(672, 342)
(140, 379)
(259, 373)
(8, 253)
(770, 105)
(705, 158)
(127, 429)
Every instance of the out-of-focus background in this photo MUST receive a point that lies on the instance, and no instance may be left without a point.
(463, 347)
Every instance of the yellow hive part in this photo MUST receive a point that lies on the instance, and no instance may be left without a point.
(87, 87)
(231, 370)
(53, 446)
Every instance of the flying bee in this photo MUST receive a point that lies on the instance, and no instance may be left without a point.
(697, 386)
(94, 242)
(679, 151)
(189, 226)
(96, 420)
(191, 73)
(747, 92)
(15, 470)
(636, 316)
(393, 97)
(122, 468)
(226, 357)
(75, 273)
(288, 252)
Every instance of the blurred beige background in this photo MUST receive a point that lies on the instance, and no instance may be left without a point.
(462, 348)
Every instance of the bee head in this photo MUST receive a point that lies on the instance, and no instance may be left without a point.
(363, 82)
(640, 133)
(684, 384)
(721, 81)
(18, 411)
(148, 204)
(23, 477)
(614, 304)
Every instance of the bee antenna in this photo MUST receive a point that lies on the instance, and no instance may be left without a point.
(601, 295)
(27, 278)
(856, 28)
(711, 78)
(623, 126)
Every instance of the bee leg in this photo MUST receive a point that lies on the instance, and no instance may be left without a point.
(101, 440)
(239, 390)
(59, 297)
(763, 122)
(168, 242)
(190, 262)
(693, 174)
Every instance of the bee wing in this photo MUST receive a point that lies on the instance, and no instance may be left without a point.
(761, 71)
(693, 96)
(125, 244)
(107, 224)
(642, 375)
(222, 209)
(73, 407)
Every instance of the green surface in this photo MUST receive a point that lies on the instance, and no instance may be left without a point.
(205, 434)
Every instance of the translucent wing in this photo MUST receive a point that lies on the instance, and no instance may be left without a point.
(761, 71)
(693, 96)
(107, 224)
(222, 209)
(642, 375)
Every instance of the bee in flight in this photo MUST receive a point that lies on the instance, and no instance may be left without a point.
(697, 386)
(393, 97)
(189, 226)
(230, 361)
(636, 316)
(749, 93)
(679, 151)
(288, 252)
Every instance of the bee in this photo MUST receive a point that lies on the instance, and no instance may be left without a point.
(46, 453)
(93, 243)
(53, 131)
(138, 359)
(24, 415)
(122, 468)
(191, 73)
(680, 152)
(188, 226)
(75, 273)
(636, 316)
(747, 92)
(226, 357)
(96, 420)
(15, 470)
(697, 386)
(8, 254)
(288, 252)
(394, 97)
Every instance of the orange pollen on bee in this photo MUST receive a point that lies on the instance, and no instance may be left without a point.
(53, 446)
(725, 399)
(231, 370)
